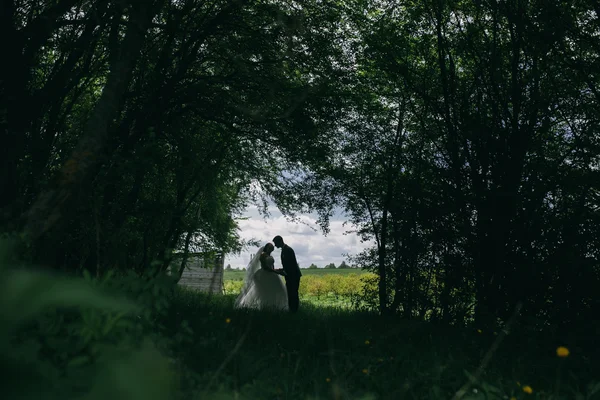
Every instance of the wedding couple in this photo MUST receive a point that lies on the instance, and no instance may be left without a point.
(263, 288)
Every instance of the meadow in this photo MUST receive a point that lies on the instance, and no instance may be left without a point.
(332, 353)
(335, 349)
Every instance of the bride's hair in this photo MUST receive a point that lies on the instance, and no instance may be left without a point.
(268, 246)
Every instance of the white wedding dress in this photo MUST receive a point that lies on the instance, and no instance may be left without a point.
(263, 289)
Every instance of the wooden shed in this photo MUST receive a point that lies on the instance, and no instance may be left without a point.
(203, 273)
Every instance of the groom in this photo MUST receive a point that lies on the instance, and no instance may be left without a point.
(292, 272)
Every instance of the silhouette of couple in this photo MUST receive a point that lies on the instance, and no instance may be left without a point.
(263, 288)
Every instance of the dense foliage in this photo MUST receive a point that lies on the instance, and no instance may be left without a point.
(132, 128)
(469, 152)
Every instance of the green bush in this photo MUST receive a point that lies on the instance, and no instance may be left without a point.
(233, 287)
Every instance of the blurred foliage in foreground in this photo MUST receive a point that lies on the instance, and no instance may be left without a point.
(79, 338)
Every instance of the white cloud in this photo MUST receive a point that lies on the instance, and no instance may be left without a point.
(310, 245)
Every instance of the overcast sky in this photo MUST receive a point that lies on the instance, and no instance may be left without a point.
(311, 246)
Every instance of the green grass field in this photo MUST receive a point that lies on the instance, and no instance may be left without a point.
(239, 274)
(328, 353)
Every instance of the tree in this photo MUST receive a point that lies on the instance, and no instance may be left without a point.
(145, 123)
(330, 266)
(343, 265)
(312, 266)
(468, 152)
(461, 138)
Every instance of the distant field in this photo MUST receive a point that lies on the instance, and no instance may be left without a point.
(238, 275)
(324, 287)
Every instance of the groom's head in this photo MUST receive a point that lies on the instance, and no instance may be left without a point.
(278, 240)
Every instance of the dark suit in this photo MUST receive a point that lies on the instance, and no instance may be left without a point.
(292, 280)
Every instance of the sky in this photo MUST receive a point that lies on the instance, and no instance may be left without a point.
(310, 245)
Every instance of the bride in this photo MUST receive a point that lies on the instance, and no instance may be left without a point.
(263, 288)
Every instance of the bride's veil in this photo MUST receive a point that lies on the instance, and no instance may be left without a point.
(253, 266)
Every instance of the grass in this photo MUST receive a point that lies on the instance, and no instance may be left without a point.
(81, 339)
(239, 274)
(329, 353)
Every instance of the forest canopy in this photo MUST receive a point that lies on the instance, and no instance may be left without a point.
(462, 136)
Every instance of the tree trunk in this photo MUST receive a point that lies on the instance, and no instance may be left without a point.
(47, 209)
(188, 239)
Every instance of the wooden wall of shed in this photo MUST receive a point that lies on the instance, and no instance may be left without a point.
(203, 278)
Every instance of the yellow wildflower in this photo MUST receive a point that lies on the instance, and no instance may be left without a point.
(562, 351)
(367, 342)
(479, 331)
(227, 320)
(527, 389)
(365, 371)
(513, 398)
(327, 380)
